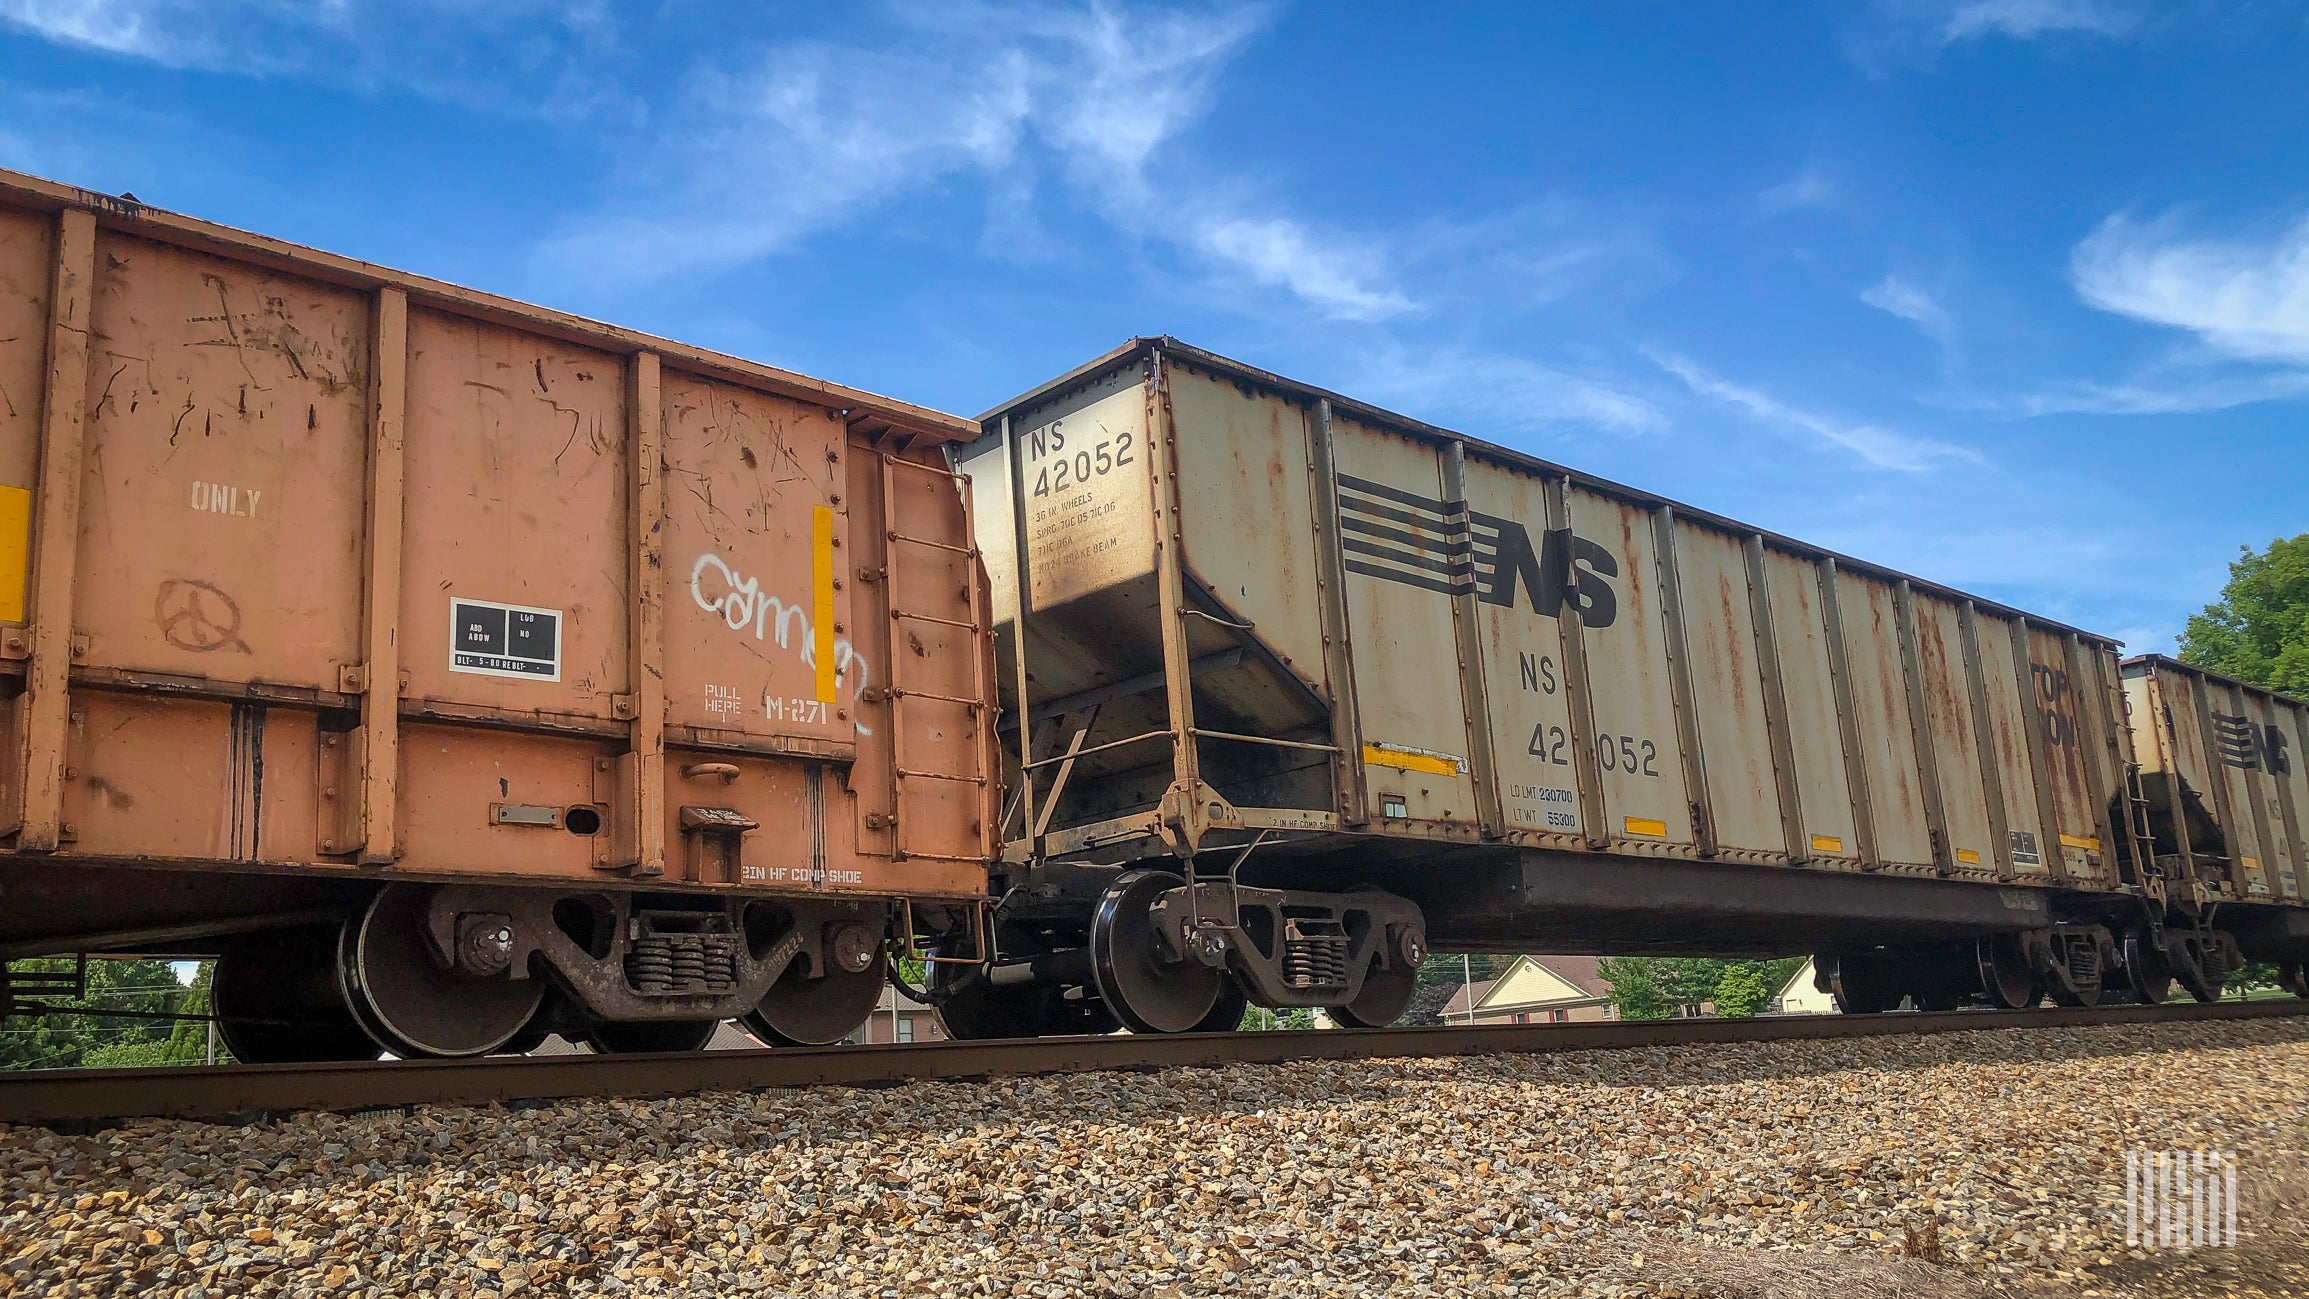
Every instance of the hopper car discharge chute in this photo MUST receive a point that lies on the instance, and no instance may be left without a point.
(452, 670)
(1295, 690)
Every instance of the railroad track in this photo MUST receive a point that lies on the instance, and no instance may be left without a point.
(236, 1092)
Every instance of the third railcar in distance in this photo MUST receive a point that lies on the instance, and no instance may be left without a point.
(1295, 689)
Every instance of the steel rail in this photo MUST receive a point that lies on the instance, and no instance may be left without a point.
(76, 1096)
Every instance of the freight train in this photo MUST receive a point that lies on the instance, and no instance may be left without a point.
(538, 675)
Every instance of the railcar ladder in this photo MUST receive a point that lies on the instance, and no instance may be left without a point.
(975, 625)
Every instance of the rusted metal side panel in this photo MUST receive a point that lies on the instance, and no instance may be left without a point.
(758, 618)
(1534, 734)
(516, 483)
(1246, 513)
(56, 527)
(2270, 723)
(2028, 843)
(1800, 630)
(2226, 753)
(1646, 801)
(945, 779)
(1088, 534)
(26, 251)
(1884, 719)
(1727, 685)
(320, 578)
(227, 415)
(2289, 775)
(2076, 805)
(1406, 551)
(1940, 640)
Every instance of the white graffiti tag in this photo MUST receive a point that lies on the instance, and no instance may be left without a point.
(744, 606)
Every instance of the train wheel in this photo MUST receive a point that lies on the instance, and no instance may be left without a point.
(2146, 975)
(1862, 985)
(635, 1037)
(1385, 996)
(2200, 967)
(409, 1001)
(2005, 974)
(799, 1011)
(1227, 1012)
(2293, 976)
(277, 1001)
(1145, 990)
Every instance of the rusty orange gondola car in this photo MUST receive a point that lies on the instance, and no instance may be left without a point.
(453, 670)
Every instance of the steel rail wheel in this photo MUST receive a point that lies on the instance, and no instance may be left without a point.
(2005, 974)
(799, 1011)
(1862, 985)
(1148, 993)
(1227, 1012)
(411, 1002)
(277, 1000)
(2146, 973)
(1385, 995)
(637, 1037)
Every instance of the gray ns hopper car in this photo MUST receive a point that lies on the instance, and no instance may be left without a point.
(1295, 688)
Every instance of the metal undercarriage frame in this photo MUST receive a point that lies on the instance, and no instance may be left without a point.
(643, 962)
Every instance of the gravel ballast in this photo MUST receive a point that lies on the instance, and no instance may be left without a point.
(1998, 1154)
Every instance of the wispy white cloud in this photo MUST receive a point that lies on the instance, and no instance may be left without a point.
(2027, 19)
(1492, 394)
(1807, 188)
(1875, 445)
(800, 137)
(1912, 303)
(2160, 393)
(1916, 32)
(2246, 298)
(532, 56)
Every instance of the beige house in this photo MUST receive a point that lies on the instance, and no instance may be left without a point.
(1536, 990)
(1799, 997)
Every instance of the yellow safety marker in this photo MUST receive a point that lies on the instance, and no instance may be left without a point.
(1968, 856)
(15, 550)
(1827, 843)
(1379, 755)
(2085, 842)
(1646, 827)
(822, 605)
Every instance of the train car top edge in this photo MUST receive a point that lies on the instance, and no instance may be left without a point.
(2166, 662)
(1243, 372)
(133, 216)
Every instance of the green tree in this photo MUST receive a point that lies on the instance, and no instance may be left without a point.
(1741, 989)
(2258, 630)
(1635, 987)
(85, 1037)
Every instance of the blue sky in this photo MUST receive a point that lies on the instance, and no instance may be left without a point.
(2012, 294)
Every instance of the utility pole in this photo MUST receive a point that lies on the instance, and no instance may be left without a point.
(1467, 978)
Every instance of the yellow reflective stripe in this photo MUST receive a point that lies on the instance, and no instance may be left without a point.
(1968, 856)
(15, 550)
(822, 583)
(1647, 827)
(2086, 842)
(1827, 843)
(1379, 755)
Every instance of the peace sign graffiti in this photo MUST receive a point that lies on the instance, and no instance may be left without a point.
(197, 616)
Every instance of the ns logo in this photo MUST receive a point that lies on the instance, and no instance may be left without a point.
(1444, 546)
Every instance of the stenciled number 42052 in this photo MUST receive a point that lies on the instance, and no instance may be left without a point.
(1058, 470)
